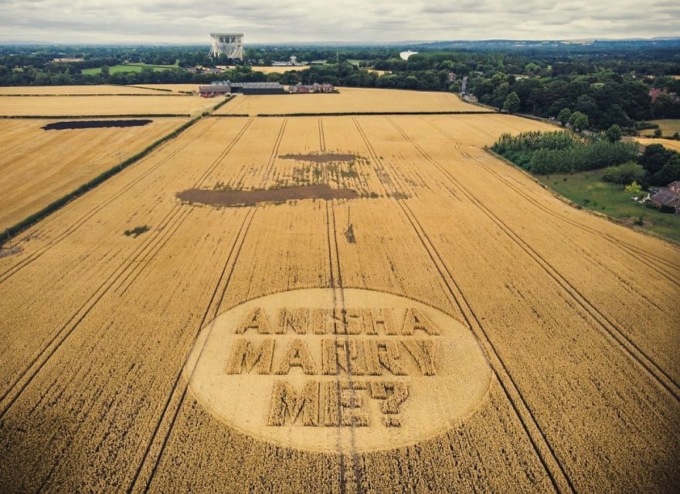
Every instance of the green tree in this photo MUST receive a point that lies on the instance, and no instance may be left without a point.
(670, 172)
(532, 69)
(654, 158)
(633, 189)
(579, 121)
(614, 133)
(511, 104)
(625, 173)
(564, 116)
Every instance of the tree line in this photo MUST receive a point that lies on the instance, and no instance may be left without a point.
(608, 84)
(545, 153)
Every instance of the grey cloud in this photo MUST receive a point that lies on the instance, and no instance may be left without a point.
(189, 21)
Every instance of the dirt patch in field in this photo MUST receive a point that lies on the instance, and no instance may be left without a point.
(95, 124)
(319, 158)
(252, 197)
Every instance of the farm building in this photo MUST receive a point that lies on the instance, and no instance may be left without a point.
(257, 88)
(215, 89)
(674, 187)
(312, 88)
(221, 88)
(668, 198)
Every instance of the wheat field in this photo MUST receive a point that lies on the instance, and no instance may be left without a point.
(349, 100)
(96, 90)
(667, 143)
(455, 327)
(78, 105)
(39, 166)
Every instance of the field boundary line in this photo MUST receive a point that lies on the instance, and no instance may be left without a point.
(375, 113)
(150, 461)
(610, 328)
(546, 454)
(645, 258)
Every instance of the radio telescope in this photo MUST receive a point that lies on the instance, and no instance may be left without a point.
(406, 54)
(229, 44)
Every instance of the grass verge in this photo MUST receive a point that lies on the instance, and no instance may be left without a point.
(589, 191)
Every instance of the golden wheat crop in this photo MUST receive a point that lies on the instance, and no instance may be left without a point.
(329, 328)
(348, 100)
(160, 88)
(75, 106)
(73, 90)
(667, 143)
(39, 166)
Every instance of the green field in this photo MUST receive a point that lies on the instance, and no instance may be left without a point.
(130, 67)
(668, 127)
(588, 190)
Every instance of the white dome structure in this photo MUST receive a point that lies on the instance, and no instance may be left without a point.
(405, 54)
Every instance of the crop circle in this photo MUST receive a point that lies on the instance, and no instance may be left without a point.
(338, 370)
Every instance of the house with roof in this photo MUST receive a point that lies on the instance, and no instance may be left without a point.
(668, 198)
(674, 187)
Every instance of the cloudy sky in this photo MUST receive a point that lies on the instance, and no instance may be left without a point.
(271, 21)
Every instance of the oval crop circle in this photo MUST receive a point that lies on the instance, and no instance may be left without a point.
(338, 371)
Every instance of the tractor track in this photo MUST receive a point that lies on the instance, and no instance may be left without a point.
(12, 270)
(546, 454)
(148, 466)
(638, 254)
(151, 246)
(610, 328)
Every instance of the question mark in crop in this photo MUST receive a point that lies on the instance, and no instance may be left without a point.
(393, 395)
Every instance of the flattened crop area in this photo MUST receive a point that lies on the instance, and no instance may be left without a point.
(453, 327)
(38, 166)
(348, 100)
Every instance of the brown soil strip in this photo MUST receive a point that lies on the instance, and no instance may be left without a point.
(253, 197)
(319, 158)
(95, 124)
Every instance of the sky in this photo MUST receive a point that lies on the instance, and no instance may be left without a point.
(286, 21)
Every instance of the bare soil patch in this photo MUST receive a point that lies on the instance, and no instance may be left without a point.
(232, 198)
(95, 124)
